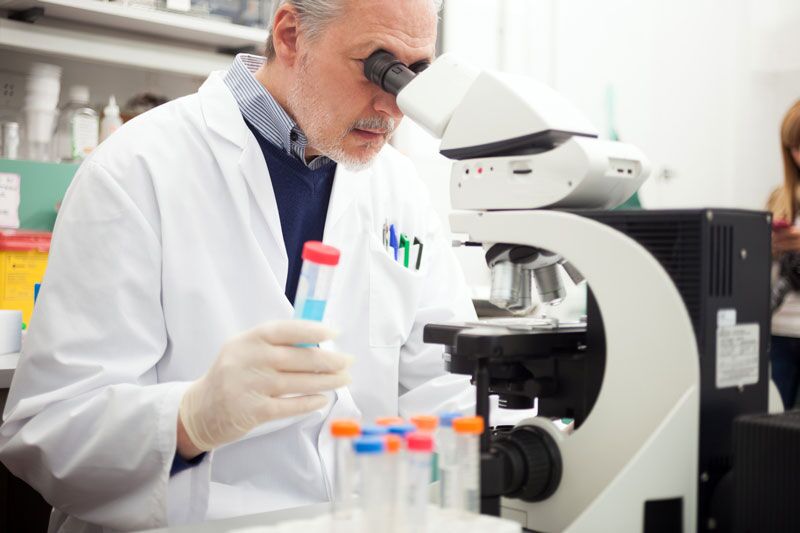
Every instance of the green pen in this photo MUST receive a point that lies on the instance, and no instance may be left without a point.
(405, 244)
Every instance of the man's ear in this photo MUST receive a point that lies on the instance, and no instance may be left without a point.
(285, 34)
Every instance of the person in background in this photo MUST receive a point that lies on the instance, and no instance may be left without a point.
(783, 203)
(141, 103)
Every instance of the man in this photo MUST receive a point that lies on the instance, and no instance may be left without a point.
(161, 381)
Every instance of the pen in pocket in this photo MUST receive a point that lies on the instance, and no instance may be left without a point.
(418, 246)
(405, 244)
(393, 241)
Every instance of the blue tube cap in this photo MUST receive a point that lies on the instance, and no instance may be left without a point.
(374, 431)
(402, 429)
(446, 419)
(368, 445)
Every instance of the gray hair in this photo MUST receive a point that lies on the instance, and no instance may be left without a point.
(314, 15)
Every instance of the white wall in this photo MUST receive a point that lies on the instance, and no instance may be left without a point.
(700, 85)
(698, 89)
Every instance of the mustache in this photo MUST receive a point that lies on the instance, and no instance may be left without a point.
(384, 125)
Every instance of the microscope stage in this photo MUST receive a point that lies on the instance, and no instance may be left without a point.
(507, 338)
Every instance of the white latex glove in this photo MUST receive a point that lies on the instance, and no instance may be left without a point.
(248, 383)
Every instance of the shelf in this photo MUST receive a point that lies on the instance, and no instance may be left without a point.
(98, 47)
(183, 27)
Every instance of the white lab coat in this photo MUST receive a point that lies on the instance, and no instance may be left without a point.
(169, 243)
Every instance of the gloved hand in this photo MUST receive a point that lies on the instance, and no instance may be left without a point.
(254, 372)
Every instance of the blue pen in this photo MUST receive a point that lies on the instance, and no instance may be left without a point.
(393, 240)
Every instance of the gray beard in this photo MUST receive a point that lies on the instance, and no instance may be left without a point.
(300, 96)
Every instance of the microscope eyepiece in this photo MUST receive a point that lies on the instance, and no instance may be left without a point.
(388, 72)
(419, 66)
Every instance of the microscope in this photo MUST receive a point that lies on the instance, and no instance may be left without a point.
(673, 344)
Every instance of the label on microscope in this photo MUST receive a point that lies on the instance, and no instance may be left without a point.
(737, 355)
(726, 317)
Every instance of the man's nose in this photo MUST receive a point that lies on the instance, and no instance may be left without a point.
(387, 104)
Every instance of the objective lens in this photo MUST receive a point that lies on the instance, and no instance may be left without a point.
(548, 283)
(511, 288)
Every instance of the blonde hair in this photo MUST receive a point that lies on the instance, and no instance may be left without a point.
(783, 202)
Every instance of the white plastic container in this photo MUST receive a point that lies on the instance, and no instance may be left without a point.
(316, 276)
(10, 331)
(39, 133)
(42, 90)
(43, 87)
(45, 70)
(10, 140)
(468, 477)
(111, 120)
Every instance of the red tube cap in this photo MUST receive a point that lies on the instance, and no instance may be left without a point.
(419, 442)
(319, 253)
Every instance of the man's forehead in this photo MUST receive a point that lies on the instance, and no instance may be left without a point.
(407, 28)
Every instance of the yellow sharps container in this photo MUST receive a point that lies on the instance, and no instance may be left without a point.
(23, 260)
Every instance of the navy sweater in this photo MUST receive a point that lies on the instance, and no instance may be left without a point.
(302, 196)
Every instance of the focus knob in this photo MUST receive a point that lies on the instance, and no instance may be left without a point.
(542, 462)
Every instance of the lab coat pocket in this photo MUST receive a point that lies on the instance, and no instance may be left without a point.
(393, 300)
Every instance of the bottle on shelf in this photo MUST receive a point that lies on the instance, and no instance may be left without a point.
(111, 120)
(78, 127)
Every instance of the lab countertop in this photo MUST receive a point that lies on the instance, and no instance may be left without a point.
(8, 364)
(262, 519)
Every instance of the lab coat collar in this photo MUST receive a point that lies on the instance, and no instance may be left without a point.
(242, 163)
(222, 116)
(221, 112)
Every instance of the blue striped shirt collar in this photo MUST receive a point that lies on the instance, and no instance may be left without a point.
(264, 113)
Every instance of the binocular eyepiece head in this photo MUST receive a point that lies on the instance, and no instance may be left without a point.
(389, 73)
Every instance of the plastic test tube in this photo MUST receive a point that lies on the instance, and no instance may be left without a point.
(468, 431)
(374, 431)
(427, 424)
(344, 431)
(446, 447)
(389, 421)
(420, 448)
(314, 285)
(402, 430)
(374, 498)
(394, 475)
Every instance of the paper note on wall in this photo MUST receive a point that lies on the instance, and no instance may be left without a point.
(9, 200)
